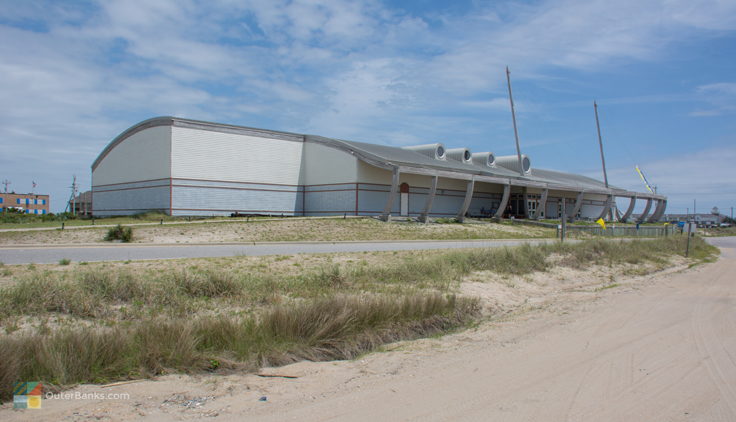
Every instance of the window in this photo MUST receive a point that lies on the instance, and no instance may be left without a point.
(28, 201)
(35, 211)
(43, 202)
(1, 199)
(17, 201)
(43, 211)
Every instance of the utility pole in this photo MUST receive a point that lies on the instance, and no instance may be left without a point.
(74, 195)
(513, 117)
(600, 143)
(695, 207)
(6, 182)
(73, 198)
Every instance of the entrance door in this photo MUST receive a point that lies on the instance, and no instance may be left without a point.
(404, 199)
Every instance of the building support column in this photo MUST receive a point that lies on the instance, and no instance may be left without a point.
(629, 210)
(424, 217)
(663, 210)
(606, 208)
(468, 198)
(644, 214)
(578, 205)
(504, 201)
(386, 216)
(541, 204)
(525, 200)
(661, 205)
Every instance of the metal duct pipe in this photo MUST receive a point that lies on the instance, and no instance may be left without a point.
(436, 150)
(511, 162)
(485, 159)
(460, 154)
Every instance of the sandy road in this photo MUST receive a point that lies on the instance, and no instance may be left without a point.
(666, 352)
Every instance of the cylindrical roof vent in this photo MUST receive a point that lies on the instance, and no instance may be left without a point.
(436, 151)
(460, 154)
(511, 162)
(485, 159)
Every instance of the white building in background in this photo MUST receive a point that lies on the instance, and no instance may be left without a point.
(187, 167)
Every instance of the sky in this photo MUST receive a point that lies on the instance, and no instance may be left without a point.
(75, 74)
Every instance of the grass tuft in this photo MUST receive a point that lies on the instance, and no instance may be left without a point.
(123, 234)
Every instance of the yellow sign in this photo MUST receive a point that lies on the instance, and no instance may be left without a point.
(602, 223)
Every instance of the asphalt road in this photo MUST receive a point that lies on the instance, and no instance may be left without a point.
(119, 252)
(723, 242)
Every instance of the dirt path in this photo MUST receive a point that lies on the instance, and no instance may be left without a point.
(660, 349)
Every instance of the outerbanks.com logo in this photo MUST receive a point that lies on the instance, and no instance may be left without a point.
(27, 395)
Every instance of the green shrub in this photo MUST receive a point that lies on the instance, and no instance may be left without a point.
(124, 234)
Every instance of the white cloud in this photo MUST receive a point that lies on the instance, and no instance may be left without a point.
(720, 97)
(682, 177)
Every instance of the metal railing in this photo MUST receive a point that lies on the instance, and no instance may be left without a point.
(611, 229)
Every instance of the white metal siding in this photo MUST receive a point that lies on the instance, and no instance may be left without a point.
(143, 156)
(206, 155)
(324, 165)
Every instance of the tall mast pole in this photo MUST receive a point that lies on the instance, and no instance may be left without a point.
(600, 143)
(513, 117)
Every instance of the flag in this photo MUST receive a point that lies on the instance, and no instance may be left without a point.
(602, 223)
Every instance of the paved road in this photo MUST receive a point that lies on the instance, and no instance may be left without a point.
(52, 254)
(723, 242)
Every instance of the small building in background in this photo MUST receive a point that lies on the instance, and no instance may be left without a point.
(702, 220)
(82, 204)
(29, 203)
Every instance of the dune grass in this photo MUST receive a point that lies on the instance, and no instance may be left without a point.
(92, 324)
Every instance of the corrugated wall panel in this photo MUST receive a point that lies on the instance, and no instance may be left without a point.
(145, 155)
(324, 165)
(199, 154)
(210, 200)
(336, 202)
(125, 200)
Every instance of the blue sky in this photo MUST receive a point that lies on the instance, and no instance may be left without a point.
(75, 74)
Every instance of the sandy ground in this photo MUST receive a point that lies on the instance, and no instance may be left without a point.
(280, 230)
(566, 347)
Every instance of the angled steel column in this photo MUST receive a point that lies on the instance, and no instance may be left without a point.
(662, 211)
(578, 205)
(424, 217)
(644, 214)
(504, 201)
(606, 207)
(466, 202)
(630, 209)
(541, 204)
(661, 205)
(386, 216)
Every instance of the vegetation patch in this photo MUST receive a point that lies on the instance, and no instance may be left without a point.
(123, 234)
(104, 322)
